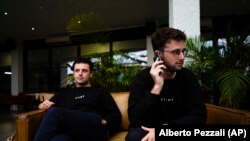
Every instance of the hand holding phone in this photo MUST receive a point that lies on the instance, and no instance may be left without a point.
(158, 57)
(156, 72)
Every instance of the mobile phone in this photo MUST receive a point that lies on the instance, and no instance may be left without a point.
(157, 55)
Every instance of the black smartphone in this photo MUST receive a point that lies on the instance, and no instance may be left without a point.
(157, 56)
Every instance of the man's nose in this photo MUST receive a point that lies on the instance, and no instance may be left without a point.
(80, 72)
(181, 55)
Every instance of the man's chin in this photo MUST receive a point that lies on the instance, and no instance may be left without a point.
(178, 68)
(82, 83)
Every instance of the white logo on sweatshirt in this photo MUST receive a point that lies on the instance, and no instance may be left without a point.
(163, 99)
(79, 97)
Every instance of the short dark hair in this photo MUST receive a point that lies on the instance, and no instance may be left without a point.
(85, 61)
(165, 35)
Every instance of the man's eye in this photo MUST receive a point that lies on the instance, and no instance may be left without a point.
(176, 52)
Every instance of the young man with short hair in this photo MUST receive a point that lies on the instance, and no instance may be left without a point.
(80, 113)
(165, 93)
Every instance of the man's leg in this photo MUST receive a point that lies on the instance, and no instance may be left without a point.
(51, 125)
(135, 134)
(76, 124)
(61, 137)
(86, 126)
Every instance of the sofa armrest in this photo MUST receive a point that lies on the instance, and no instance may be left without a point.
(224, 115)
(27, 124)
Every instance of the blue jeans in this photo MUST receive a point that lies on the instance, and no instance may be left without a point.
(61, 124)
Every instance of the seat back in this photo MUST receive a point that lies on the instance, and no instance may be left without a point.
(41, 96)
(121, 99)
(224, 115)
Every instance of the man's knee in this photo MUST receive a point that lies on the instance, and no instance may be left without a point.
(53, 110)
(53, 113)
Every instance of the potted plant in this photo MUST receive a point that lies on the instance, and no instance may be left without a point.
(200, 60)
(113, 76)
(231, 74)
(223, 68)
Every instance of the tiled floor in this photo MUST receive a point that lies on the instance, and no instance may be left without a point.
(7, 124)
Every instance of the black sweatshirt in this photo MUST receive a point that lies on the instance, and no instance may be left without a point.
(89, 99)
(180, 101)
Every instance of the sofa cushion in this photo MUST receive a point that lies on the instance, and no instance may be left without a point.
(119, 136)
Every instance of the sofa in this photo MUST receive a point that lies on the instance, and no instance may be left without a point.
(28, 123)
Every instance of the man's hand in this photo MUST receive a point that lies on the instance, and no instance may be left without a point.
(45, 105)
(151, 134)
(103, 122)
(156, 72)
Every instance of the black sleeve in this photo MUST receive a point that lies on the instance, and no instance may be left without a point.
(111, 112)
(56, 99)
(142, 104)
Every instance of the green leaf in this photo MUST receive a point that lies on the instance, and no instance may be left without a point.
(232, 84)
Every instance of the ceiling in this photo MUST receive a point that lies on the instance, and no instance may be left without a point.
(50, 17)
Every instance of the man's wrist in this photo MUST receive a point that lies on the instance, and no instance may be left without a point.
(156, 90)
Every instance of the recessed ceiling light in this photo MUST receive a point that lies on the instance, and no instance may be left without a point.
(5, 13)
(33, 28)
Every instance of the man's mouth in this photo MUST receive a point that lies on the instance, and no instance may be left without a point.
(80, 78)
(179, 63)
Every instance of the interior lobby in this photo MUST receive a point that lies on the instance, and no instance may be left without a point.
(37, 42)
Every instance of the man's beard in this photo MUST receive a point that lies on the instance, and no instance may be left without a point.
(171, 68)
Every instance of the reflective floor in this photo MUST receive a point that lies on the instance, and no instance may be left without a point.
(7, 123)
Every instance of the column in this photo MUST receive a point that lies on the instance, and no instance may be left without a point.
(17, 72)
(185, 15)
(150, 52)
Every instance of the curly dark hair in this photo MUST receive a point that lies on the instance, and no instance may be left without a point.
(165, 35)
